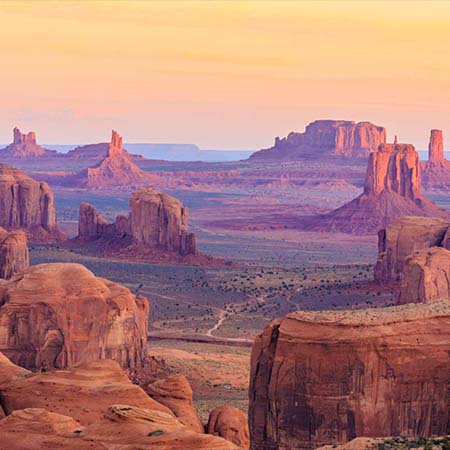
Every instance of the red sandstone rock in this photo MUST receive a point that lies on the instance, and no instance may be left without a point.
(27, 204)
(436, 171)
(392, 189)
(175, 392)
(231, 424)
(57, 315)
(91, 224)
(402, 238)
(326, 138)
(14, 257)
(426, 276)
(327, 377)
(436, 147)
(24, 146)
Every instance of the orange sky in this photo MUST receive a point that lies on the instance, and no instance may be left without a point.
(224, 74)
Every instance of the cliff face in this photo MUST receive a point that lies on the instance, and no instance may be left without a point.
(24, 146)
(436, 147)
(27, 204)
(436, 171)
(14, 257)
(326, 377)
(324, 138)
(46, 318)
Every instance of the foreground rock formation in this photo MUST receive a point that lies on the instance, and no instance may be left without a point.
(157, 222)
(14, 257)
(24, 146)
(115, 170)
(57, 315)
(27, 204)
(436, 171)
(327, 377)
(326, 138)
(392, 189)
(93, 406)
(402, 238)
(426, 276)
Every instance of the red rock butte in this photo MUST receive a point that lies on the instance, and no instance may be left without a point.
(327, 377)
(436, 171)
(24, 146)
(392, 189)
(326, 138)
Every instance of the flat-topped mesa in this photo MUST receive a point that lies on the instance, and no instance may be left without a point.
(14, 257)
(322, 378)
(436, 147)
(27, 204)
(327, 138)
(43, 324)
(24, 145)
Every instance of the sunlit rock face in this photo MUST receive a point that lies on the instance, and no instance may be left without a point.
(24, 145)
(14, 256)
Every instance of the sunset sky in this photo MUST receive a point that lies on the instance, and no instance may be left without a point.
(226, 74)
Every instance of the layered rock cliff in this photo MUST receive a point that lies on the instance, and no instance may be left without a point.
(57, 315)
(14, 257)
(326, 138)
(24, 146)
(326, 377)
(27, 204)
(392, 189)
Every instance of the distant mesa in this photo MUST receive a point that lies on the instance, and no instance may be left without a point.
(27, 204)
(14, 256)
(392, 189)
(115, 170)
(326, 138)
(157, 222)
(24, 146)
(436, 171)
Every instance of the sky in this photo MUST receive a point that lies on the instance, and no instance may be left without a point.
(221, 74)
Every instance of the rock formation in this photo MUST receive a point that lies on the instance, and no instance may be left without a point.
(157, 222)
(327, 377)
(175, 392)
(24, 146)
(403, 237)
(426, 276)
(115, 170)
(392, 189)
(46, 319)
(27, 204)
(231, 424)
(14, 257)
(326, 138)
(436, 171)
(436, 147)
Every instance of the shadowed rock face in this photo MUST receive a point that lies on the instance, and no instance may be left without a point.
(231, 424)
(27, 204)
(327, 377)
(426, 276)
(14, 257)
(46, 318)
(392, 189)
(24, 146)
(402, 238)
(324, 138)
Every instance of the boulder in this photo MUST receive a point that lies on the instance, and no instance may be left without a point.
(324, 378)
(14, 257)
(60, 314)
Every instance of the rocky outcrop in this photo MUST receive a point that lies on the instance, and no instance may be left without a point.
(231, 424)
(392, 189)
(175, 392)
(24, 146)
(115, 170)
(402, 238)
(157, 222)
(327, 377)
(14, 257)
(326, 138)
(436, 171)
(436, 147)
(46, 319)
(426, 276)
(27, 204)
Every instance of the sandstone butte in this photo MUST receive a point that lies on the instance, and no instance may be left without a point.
(321, 378)
(24, 146)
(91, 406)
(392, 189)
(14, 256)
(27, 204)
(156, 221)
(326, 138)
(114, 171)
(46, 319)
(436, 171)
